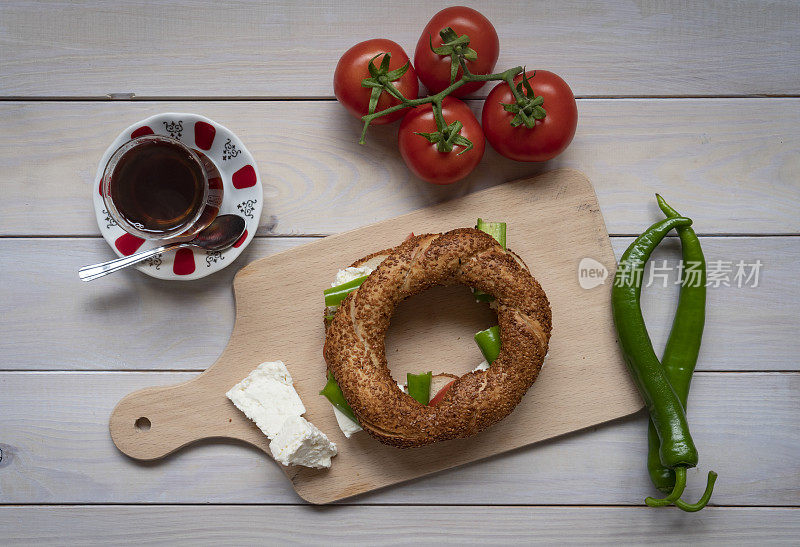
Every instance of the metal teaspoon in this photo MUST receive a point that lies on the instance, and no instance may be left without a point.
(223, 232)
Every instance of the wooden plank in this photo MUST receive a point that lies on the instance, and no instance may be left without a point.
(91, 525)
(731, 163)
(128, 321)
(56, 446)
(254, 49)
(123, 321)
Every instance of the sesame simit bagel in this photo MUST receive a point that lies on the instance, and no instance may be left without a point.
(354, 345)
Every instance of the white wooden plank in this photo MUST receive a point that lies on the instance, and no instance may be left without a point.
(732, 163)
(148, 525)
(124, 321)
(56, 449)
(290, 48)
(747, 327)
(128, 321)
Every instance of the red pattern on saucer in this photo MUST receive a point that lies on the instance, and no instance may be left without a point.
(204, 134)
(141, 132)
(128, 244)
(184, 262)
(241, 240)
(245, 177)
(242, 194)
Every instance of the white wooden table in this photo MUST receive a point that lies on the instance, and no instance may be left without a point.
(698, 101)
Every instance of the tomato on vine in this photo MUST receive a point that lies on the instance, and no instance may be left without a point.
(441, 156)
(534, 121)
(385, 65)
(527, 117)
(436, 56)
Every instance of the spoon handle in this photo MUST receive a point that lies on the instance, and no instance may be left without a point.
(88, 273)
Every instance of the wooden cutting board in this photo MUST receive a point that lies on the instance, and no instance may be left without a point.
(553, 222)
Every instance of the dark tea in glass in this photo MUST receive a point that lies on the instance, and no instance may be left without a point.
(156, 187)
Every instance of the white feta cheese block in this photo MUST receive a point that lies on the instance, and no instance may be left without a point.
(267, 397)
(299, 442)
(348, 426)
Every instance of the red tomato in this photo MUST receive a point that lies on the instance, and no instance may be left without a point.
(424, 158)
(549, 137)
(353, 68)
(439, 396)
(434, 69)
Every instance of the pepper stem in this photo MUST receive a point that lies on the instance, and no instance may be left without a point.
(704, 499)
(677, 490)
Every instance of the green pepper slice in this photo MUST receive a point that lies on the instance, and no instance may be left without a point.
(335, 295)
(489, 342)
(419, 386)
(334, 394)
(498, 231)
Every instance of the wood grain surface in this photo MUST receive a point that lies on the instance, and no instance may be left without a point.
(128, 321)
(673, 98)
(289, 48)
(734, 160)
(58, 451)
(556, 223)
(390, 525)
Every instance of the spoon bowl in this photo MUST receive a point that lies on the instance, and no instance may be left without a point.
(220, 234)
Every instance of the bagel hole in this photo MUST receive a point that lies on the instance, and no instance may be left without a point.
(434, 331)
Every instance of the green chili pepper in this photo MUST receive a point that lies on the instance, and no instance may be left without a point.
(683, 346)
(489, 342)
(419, 386)
(680, 354)
(334, 394)
(666, 411)
(676, 450)
(335, 295)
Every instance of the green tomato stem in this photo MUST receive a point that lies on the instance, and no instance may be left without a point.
(514, 91)
(441, 125)
(507, 76)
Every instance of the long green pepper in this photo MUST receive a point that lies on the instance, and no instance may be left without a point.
(682, 349)
(666, 412)
(680, 353)
(664, 387)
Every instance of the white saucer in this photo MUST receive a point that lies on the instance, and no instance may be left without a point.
(242, 194)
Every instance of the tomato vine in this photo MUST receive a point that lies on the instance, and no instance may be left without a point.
(527, 107)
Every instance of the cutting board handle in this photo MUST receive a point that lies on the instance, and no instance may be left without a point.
(156, 421)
